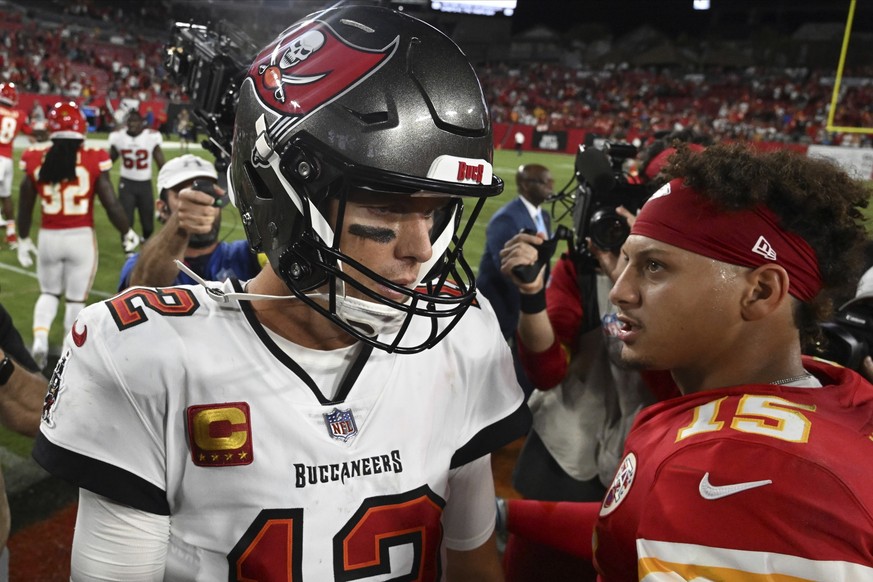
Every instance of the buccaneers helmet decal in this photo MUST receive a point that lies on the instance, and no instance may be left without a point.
(309, 66)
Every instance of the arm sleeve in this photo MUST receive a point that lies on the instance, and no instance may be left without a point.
(564, 525)
(101, 393)
(116, 542)
(471, 513)
(490, 404)
(546, 369)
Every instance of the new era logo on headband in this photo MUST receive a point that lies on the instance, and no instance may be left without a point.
(763, 248)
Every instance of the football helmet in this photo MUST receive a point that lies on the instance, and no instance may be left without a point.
(362, 97)
(8, 94)
(66, 121)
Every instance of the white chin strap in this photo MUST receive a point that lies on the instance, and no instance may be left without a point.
(371, 319)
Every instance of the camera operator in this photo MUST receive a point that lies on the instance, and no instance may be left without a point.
(584, 401)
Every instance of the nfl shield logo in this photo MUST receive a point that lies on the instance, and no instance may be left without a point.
(341, 424)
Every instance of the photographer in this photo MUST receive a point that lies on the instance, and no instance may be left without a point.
(192, 221)
(585, 401)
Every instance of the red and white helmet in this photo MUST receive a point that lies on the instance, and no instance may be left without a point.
(66, 121)
(8, 94)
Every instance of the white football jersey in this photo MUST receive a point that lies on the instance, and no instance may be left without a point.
(136, 152)
(170, 402)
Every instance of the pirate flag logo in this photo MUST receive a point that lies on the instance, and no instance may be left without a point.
(311, 65)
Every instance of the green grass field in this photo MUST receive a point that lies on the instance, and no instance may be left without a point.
(19, 287)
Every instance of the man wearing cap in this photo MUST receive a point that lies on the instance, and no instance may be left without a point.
(192, 220)
(761, 468)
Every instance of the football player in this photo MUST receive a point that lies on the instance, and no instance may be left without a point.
(761, 469)
(137, 146)
(333, 417)
(11, 120)
(65, 177)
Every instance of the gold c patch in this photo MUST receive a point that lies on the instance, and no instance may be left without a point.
(220, 435)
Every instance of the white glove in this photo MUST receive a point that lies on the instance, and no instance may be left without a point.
(25, 249)
(129, 241)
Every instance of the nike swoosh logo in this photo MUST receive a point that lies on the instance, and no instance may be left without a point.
(79, 338)
(710, 491)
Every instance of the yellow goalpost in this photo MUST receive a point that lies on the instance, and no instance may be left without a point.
(838, 78)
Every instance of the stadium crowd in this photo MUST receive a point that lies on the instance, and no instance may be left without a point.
(784, 105)
(788, 105)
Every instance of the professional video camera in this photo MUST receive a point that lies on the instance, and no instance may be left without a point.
(848, 336)
(602, 186)
(209, 63)
(590, 198)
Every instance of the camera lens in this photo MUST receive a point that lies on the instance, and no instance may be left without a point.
(608, 230)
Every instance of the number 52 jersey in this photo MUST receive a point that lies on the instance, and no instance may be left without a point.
(169, 402)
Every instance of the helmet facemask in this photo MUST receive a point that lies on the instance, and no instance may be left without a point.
(381, 103)
(315, 268)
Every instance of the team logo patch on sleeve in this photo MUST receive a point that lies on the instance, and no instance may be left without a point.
(621, 485)
(220, 435)
(54, 387)
(341, 424)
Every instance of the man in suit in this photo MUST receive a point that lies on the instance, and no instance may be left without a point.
(535, 184)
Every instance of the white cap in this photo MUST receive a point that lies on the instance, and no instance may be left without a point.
(184, 168)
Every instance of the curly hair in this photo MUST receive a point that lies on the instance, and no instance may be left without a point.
(812, 197)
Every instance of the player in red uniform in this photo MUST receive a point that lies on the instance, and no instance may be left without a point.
(761, 469)
(66, 177)
(11, 120)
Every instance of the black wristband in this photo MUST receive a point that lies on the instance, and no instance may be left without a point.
(6, 369)
(533, 303)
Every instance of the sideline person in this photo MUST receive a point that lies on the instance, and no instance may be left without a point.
(192, 223)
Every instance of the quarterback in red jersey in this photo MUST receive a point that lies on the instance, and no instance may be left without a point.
(761, 470)
(65, 177)
(11, 120)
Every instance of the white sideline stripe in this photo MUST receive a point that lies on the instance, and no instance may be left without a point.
(752, 564)
(32, 275)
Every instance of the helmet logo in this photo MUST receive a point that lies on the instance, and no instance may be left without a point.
(299, 50)
(469, 172)
(310, 66)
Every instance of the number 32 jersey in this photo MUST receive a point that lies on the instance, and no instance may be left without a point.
(751, 483)
(169, 402)
(69, 204)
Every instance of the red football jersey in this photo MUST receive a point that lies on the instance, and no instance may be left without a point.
(744, 483)
(10, 124)
(69, 204)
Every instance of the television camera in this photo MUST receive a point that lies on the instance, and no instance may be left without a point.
(599, 185)
(848, 336)
(210, 63)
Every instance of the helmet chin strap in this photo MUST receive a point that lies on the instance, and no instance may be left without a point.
(370, 318)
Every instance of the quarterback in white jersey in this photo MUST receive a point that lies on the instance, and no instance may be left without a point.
(333, 417)
(252, 455)
(137, 146)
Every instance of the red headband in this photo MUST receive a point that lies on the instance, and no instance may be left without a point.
(682, 217)
(654, 167)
